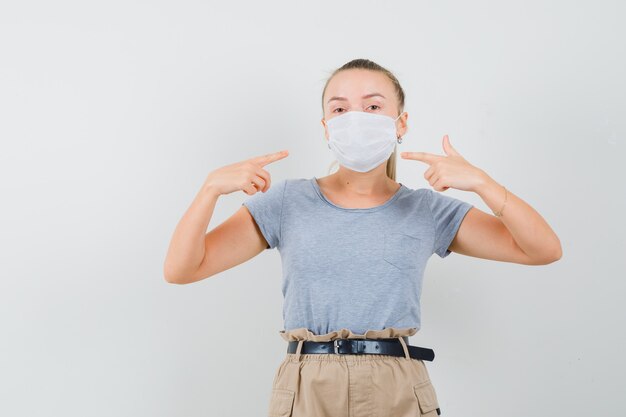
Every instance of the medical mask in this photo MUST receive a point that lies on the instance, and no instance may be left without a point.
(361, 140)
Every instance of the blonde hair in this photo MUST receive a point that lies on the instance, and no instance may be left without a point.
(372, 66)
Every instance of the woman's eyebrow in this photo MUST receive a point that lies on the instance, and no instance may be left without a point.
(345, 99)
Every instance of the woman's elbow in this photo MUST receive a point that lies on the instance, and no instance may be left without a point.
(552, 256)
(172, 276)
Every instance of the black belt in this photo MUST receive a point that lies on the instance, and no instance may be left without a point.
(391, 346)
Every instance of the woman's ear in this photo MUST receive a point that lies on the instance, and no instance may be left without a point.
(403, 124)
(325, 128)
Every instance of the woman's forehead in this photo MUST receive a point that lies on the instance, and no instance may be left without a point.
(379, 96)
(358, 85)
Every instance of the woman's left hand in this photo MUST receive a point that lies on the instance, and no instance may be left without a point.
(449, 171)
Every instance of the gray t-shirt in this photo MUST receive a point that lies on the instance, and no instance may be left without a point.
(354, 268)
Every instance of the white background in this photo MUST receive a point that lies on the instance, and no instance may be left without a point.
(113, 113)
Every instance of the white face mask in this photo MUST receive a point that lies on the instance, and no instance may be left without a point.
(361, 140)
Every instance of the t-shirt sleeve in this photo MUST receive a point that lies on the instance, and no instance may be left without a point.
(448, 213)
(266, 209)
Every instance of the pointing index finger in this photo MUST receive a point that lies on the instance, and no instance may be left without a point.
(270, 157)
(429, 158)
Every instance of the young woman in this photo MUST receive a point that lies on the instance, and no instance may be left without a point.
(354, 246)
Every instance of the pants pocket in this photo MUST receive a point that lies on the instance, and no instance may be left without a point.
(427, 399)
(281, 402)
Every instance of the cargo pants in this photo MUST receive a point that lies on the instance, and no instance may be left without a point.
(351, 385)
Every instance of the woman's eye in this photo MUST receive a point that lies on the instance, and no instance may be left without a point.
(339, 108)
(375, 105)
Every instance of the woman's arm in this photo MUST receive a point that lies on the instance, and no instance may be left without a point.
(193, 253)
(187, 246)
(520, 235)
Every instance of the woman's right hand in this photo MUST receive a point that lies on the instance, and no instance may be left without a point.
(248, 175)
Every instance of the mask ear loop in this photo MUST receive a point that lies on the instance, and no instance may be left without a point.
(327, 144)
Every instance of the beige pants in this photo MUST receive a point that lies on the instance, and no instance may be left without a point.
(351, 385)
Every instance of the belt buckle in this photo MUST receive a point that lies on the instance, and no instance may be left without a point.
(336, 345)
(356, 346)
